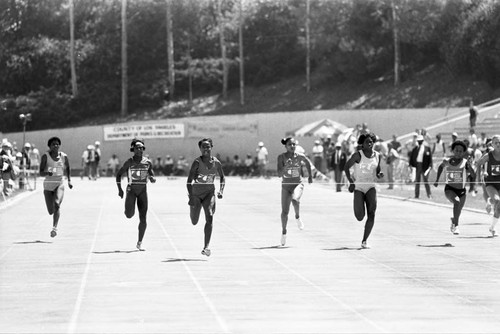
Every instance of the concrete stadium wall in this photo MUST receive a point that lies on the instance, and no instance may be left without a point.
(232, 134)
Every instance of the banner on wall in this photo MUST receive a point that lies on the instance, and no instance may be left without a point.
(220, 129)
(145, 131)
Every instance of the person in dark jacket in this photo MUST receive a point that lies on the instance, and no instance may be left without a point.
(421, 160)
(337, 164)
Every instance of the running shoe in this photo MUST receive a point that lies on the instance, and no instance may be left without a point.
(206, 252)
(139, 245)
(454, 229)
(300, 224)
(364, 245)
(492, 231)
(53, 233)
(283, 239)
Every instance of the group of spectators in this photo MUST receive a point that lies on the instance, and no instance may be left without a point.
(411, 161)
(171, 167)
(249, 166)
(91, 158)
(17, 165)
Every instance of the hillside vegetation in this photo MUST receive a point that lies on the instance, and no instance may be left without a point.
(431, 88)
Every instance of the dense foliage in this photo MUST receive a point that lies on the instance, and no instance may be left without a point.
(351, 40)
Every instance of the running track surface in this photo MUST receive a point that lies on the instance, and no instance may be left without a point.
(417, 278)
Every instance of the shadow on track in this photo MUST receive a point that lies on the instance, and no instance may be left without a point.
(271, 247)
(478, 237)
(342, 248)
(32, 242)
(444, 245)
(184, 260)
(118, 251)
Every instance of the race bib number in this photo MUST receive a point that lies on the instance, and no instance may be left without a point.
(292, 172)
(454, 177)
(206, 178)
(495, 170)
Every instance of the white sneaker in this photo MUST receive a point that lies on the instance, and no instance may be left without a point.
(454, 229)
(139, 245)
(206, 252)
(492, 231)
(300, 224)
(283, 239)
(364, 245)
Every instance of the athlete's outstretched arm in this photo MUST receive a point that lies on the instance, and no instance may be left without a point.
(151, 173)
(222, 179)
(191, 176)
(43, 165)
(378, 171)
(68, 171)
(280, 165)
(440, 170)
(480, 164)
(470, 170)
(308, 167)
(119, 174)
(355, 158)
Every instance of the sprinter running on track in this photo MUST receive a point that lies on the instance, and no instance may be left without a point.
(54, 166)
(457, 169)
(492, 179)
(366, 164)
(201, 188)
(290, 170)
(139, 169)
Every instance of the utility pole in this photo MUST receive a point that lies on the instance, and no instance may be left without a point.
(223, 49)
(308, 47)
(242, 59)
(397, 53)
(124, 110)
(170, 50)
(74, 87)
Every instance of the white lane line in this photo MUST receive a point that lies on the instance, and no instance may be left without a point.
(311, 283)
(83, 284)
(207, 300)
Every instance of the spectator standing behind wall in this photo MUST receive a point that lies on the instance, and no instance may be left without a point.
(396, 144)
(181, 168)
(24, 164)
(338, 161)
(472, 114)
(317, 152)
(421, 160)
(98, 158)
(262, 159)
(168, 165)
(113, 164)
(35, 159)
(89, 162)
(392, 161)
(249, 170)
